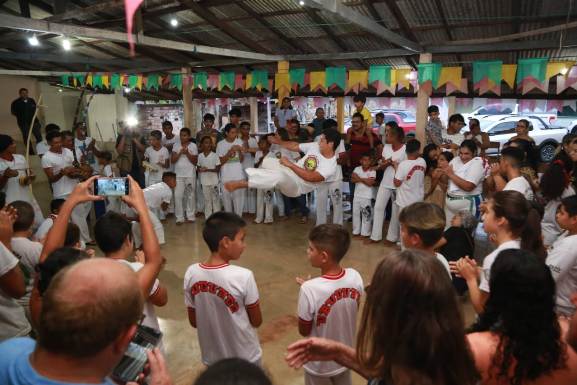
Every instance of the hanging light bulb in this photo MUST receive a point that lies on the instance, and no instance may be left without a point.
(127, 90)
(174, 22)
(66, 44)
(33, 41)
(301, 3)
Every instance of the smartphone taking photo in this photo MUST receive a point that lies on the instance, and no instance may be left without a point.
(111, 187)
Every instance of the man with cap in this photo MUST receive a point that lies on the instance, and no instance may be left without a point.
(16, 176)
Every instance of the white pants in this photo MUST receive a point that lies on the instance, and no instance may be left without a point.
(279, 202)
(343, 378)
(153, 178)
(453, 206)
(272, 174)
(334, 190)
(211, 200)
(184, 198)
(78, 217)
(383, 196)
(362, 216)
(199, 197)
(113, 204)
(250, 200)
(264, 206)
(156, 225)
(394, 226)
(233, 202)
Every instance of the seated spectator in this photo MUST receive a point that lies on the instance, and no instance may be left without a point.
(480, 138)
(522, 130)
(233, 371)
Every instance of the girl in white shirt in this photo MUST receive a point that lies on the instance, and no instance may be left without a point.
(466, 174)
(515, 225)
(230, 152)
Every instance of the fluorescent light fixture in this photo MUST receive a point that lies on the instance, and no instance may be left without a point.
(66, 44)
(33, 41)
(131, 121)
(301, 3)
(127, 90)
(174, 22)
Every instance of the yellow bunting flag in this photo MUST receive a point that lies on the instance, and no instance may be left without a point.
(139, 82)
(89, 80)
(248, 81)
(106, 80)
(451, 75)
(400, 77)
(509, 71)
(281, 81)
(558, 67)
(318, 81)
(357, 81)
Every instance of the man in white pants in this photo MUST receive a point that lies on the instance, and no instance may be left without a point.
(58, 166)
(318, 165)
(184, 158)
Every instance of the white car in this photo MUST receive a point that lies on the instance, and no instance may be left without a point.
(512, 109)
(501, 128)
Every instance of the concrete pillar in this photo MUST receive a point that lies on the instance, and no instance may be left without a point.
(422, 105)
(187, 104)
(283, 68)
(451, 106)
(253, 102)
(196, 116)
(341, 113)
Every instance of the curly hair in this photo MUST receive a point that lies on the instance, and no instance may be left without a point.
(521, 311)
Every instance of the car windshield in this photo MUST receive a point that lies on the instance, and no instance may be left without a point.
(485, 124)
(408, 116)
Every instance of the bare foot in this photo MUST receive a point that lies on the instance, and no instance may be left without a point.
(370, 242)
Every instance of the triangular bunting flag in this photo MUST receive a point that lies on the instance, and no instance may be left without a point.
(429, 72)
(297, 78)
(336, 77)
(213, 80)
(318, 81)
(508, 73)
(227, 80)
(201, 80)
(358, 80)
(64, 80)
(259, 79)
(400, 78)
(450, 75)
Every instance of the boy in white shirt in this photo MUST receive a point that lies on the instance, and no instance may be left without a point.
(157, 158)
(45, 226)
(104, 161)
(249, 147)
(562, 256)
(185, 157)
(364, 178)
(169, 139)
(208, 167)
(231, 154)
(26, 250)
(422, 227)
(507, 173)
(410, 183)
(222, 300)
(328, 305)
(264, 198)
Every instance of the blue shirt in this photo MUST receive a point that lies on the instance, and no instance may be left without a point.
(15, 368)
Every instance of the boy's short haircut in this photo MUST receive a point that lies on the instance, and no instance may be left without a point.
(233, 371)
(67, 134)
(56, 261)
(220, 225)
(360, 98)
(380, 115)
(235, 112)
(244, 123)
(51, 127)
(425, 219)
(456, 118)
(432, 109)
(334, 137)
(72, 235)
(110, 232)
(514, 156)
(228, 127)
(358, 115)
(156, 134)
(333, 239)
(208, 117)
(168, 174)
(570, 205)
(185, 129)
(330, 123)
(106, 155)
(50, 136)
(206, 137)
(295, 121)
(55, 205)
(367, 154)
(412, 146)
(166, 123)
(264, 138)
(25, 215)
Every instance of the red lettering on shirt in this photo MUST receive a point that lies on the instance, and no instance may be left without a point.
(413, 170)
(336, 296)
(220, 292)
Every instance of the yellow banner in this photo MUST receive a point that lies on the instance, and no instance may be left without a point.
(558, 67)
(401, 77)
(358, 79)
(318, 80)
(451, 75)
(508, 72)
(281, 80)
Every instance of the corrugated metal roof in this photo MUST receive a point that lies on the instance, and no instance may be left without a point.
(263, 6)
(227, 11)
(296, 26)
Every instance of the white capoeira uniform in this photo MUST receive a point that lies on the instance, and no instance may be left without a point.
(272, 174)
(332, 189)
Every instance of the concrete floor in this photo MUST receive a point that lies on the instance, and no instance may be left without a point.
(276, 254)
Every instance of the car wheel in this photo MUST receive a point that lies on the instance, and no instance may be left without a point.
(547, 152)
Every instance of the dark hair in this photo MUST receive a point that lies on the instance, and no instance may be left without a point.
(264, 138)
(110, 232)
(106, 155)
(329, 123)
(244, 123)
(531, 152)
(229, 127)
(521, 311)
(166, 123)
(358, 115)
(185, 129)
(514, 155)
(396, 130)
(220, 225)
(56, 261)
(524, 220)
(205, 138)
(412, 146)
(334, 239)
(432, 108)
(67, 134)
(208, 117)
(456, 118)
(380, 114)
(334, 137)
(367, 154)
(527, 123)
(475, 120)
(22, 89)
(156, 134)
(570, 205)
(168, 174)
(556, 178)
(72, 235)
(51, 127)
(410, 296)
(448, 155)
(235, 111)
(51, 135)
(360, 98)
(55, 204)
(471, 145)
(425, 219)
(233, 371)
(431, 163)
(2, 199)
(25, 215)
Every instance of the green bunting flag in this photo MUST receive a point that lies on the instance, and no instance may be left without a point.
(201, 80)
(297, 77)
(259, 79)
(535, 67)
(64, 80)
(429, 71)
(152, 81)
(97, 81)
(226, 80)
(336, 76)
(80, 78)
(132, 81)
(381, 74)
(115, 81)
(176, 81)
(492, 70)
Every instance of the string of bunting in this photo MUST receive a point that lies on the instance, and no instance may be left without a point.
(488, 76)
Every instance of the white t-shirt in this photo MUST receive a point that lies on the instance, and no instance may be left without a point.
(490, 259)
(472, 171)
(210, 162)
(150, 319)
(283, 115)
(521, 185)
(549, 226)
(13, 189)
(232, 169)
(45, 227)
(248, 159)
(157, 194)
(443, 260)
(340, 150)
(220, 296)
(28, 252)
(314, 161)
(562, 260)
(170, 143)
(361, 189)
(13, 322)
(396, 156)
(453, 138)
(154, 158)
(412, 174)
(57, 162)
(183, 167)
(42, 147)
(330, 304)
(258, 156)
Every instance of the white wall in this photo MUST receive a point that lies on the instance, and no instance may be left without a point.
(104, 112)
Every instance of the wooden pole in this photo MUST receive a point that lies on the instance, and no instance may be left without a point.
(422, 105)
(253, 101)
(187, 103)
(28, 139)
